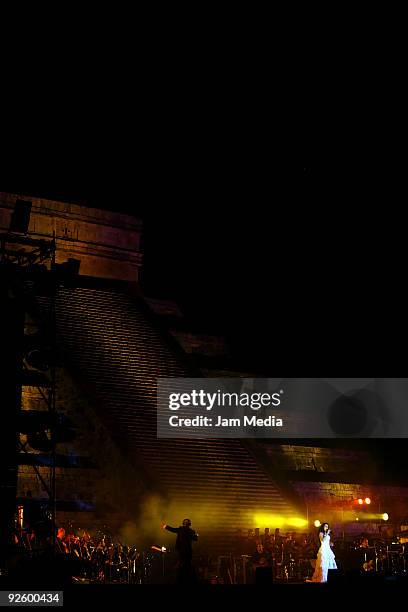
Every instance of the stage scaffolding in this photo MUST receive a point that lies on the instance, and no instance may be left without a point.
(28, 269)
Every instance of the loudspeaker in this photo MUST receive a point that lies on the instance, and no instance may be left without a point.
(263, 575)
(20, 219)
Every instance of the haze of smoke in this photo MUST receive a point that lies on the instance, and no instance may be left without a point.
(147, 530)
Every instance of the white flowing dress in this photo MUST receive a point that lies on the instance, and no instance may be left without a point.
(325, 559)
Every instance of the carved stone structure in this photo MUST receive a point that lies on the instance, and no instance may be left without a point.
(107, 244)
(115, 343)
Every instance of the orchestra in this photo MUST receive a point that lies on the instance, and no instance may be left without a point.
(100, 558)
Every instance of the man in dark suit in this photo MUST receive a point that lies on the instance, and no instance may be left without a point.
(185, 537)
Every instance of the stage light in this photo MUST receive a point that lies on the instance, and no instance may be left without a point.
(385, 516)
(360, 501)
(269, 520)
(277, 520)
(317, 523)
(357, 518)
(296, 522)
(367, 500)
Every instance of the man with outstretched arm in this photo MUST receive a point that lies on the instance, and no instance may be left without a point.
(185, 537)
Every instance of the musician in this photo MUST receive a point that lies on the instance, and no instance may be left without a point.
(277, 545)
(266, 538)
(325, 557)
(30, 538)
(293, 547)
(261, 557)
(277, 538)
(368, 564)
(60, 541)
(185, 537)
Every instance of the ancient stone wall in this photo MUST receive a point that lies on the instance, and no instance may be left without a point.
(106, 243)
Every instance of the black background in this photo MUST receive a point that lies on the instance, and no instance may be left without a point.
(297, 264)
(281, 228)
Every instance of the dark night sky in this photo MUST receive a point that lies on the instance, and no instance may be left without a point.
(271, 256)
(304, 273)
(299, 270)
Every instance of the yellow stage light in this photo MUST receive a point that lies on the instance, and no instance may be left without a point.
(317, 523)
(385, 516)
(296, 522)
(262, 520)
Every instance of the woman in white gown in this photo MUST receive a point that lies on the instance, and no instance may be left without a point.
(325, 557)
